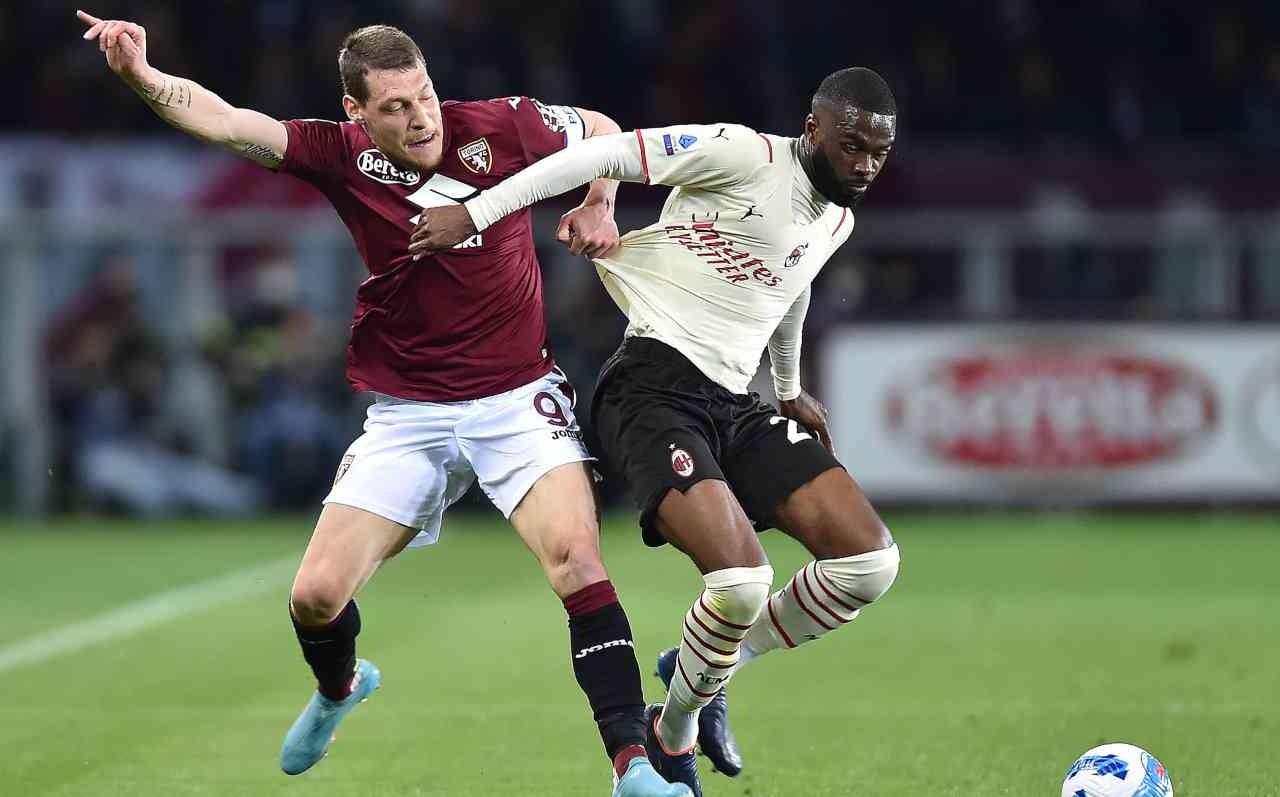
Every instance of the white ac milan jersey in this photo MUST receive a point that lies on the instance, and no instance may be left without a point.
(741, 236)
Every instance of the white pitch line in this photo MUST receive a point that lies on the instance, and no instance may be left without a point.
(157, 609)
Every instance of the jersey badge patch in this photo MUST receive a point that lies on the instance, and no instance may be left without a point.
(343, 467)
(794, 257)
(476, 156)
(681, 462)
(684, 143)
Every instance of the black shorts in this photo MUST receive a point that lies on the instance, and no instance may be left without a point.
(663, 424)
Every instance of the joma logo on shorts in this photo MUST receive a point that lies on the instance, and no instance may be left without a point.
(571, 434)
(617, 643)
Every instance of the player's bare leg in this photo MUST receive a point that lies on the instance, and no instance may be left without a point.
(708, 524)
(558, 520)
(855, 562)
(347, 546)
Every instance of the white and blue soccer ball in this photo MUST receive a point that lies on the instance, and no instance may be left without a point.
(1117, 770)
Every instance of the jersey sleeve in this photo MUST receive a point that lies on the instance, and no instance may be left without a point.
(316, 148)
(784, 349)
(545, 129)
(702, 156)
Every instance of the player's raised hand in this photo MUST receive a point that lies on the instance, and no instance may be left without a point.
(590, 230)
(440, 228)
(124, 43)
(810, 413)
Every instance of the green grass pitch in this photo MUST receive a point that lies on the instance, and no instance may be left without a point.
(1010, 644)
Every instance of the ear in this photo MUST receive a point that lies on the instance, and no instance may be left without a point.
(355, 111)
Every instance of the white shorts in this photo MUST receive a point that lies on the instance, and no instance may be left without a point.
(416, 458)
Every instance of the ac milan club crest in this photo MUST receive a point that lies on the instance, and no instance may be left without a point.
(795, 256)
(476, 156)
(681, 462)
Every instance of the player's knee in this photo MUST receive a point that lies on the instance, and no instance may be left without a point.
(574, 562)
(317, 600)
(737, 595)
(866, 576)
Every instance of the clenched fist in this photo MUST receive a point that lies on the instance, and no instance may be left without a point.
(440, 228)
(590, 230)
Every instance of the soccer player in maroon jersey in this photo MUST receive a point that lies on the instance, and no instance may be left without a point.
(453, 347)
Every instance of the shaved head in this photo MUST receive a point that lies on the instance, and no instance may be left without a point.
(858, 87)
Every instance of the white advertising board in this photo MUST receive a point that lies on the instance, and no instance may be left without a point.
(1057, 413)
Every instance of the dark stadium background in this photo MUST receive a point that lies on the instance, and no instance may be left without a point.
(1039, 113)
(1097, 177)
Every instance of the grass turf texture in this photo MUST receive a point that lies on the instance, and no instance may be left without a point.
(1010, 644)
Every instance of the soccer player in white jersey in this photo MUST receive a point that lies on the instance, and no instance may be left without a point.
(722, 275)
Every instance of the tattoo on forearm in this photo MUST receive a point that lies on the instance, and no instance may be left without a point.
(169, 94)
(263, 154)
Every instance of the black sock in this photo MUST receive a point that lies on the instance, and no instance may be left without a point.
(604, 661)
(330, 649)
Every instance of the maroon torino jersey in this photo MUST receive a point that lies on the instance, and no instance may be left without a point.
(465, 323)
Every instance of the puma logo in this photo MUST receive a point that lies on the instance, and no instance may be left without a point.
(721, 134)
(751, 211)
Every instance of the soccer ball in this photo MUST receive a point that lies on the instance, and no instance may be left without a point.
(1117, 770)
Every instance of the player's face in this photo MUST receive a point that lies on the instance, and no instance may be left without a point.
(402, 116)
(850, 147)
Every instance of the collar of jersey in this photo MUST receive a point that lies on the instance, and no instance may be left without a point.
(808, 193)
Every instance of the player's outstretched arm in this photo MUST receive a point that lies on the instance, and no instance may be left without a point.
(685, 155)
(612, 156)
(184, 103)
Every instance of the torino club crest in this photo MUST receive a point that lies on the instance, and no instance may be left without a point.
(343, 467)
(476, 156)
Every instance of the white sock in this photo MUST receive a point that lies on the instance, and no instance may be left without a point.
(713, 629)
(822, 596)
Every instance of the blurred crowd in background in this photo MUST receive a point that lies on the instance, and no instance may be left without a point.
(254, 415)
(1095, 76)
(1166, 108)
